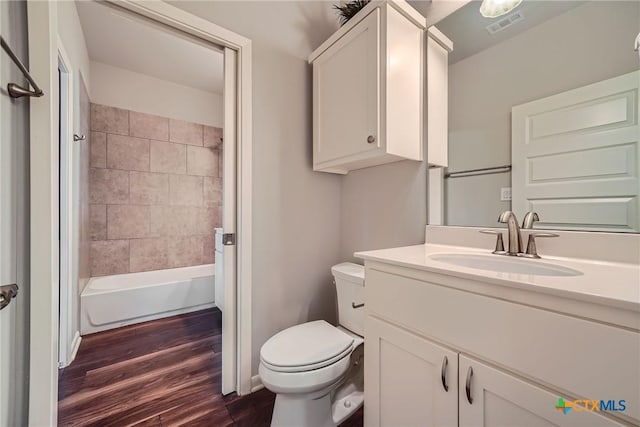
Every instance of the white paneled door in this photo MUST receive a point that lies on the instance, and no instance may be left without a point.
(575, 157)
(229, 225)
(13, 221)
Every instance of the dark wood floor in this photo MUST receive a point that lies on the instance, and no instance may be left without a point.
(160, 373)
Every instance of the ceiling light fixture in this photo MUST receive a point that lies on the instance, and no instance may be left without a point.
(495, 8)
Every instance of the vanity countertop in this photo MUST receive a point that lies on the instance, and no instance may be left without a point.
(610, 284)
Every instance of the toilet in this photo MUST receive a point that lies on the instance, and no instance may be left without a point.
(316, 369)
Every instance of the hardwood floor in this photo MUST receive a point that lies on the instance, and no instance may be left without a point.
(161, 373)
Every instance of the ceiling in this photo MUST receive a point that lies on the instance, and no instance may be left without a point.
(122, 40)
(467, 28)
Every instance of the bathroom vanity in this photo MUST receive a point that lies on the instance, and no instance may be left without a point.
(459, 336)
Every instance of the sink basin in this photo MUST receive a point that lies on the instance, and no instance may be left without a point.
(505, 264)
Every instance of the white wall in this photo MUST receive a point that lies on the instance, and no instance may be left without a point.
(589, 43)
(14, 222)
(72, 37)
(129, 90)
(382, 207)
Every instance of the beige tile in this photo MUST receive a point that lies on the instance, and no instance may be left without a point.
(167, 157)
(98, 144)
(185, 190)
(147, 188)
(109, 119)
(212, 191)
(158, 220)
(127, 152)
(109, 186)
(184, 221)
(148, 254)
(184, 251)
(212, 137)
(175, 220)
(220, 155)
(208, 249)
(128, 222)
(185, 132)
(202, 161)
(207, 220)
(149, 126)
(109, 257)
(98, 222)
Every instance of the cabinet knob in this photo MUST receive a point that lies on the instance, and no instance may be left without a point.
(371, 139)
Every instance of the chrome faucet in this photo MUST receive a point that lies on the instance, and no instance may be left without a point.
(514, 237)
(529, 219)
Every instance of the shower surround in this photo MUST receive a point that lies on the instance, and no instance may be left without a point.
(155, 191)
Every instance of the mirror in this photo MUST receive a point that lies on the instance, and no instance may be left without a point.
(543, 116)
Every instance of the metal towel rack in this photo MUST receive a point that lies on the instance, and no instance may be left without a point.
(17, 91)
(481, 171)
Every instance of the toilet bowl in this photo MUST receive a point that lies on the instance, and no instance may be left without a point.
(315, 368)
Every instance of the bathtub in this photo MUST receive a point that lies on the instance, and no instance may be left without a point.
(112, 301)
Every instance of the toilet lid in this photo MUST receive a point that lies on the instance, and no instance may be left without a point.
(311, 345)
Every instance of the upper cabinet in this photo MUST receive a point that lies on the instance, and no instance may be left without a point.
(369, 90)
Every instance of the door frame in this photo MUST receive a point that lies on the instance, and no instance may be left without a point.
(69, 339)
(43, 57)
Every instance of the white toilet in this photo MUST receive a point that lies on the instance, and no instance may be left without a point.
(316, 369)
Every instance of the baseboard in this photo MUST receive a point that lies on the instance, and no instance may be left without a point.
(256, 383)
(75, 345)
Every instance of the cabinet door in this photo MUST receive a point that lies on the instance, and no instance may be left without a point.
(500, 399)
(409, 380)
(346, 92)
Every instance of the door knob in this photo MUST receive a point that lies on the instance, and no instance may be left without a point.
(371, 139)
(7, 293)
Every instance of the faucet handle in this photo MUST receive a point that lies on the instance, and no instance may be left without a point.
(529, 219)
(499, 243)
(532, 251)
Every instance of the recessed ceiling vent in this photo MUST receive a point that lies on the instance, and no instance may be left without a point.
(505, 22)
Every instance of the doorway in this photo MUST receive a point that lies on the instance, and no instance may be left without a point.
(163, 178)
(68, 335)
(43, 207)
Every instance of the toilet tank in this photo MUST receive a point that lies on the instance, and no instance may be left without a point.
(349, 281)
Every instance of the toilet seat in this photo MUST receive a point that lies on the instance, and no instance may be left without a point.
(306, 347)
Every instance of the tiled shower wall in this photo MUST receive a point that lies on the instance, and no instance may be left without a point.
(156, 191)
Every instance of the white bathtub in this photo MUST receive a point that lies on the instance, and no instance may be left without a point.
(112, 301)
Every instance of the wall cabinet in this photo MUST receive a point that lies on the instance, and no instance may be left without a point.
(369, 90)
(437, 355)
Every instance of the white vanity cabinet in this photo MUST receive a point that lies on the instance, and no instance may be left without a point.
(411, 381)
(522, 358)
(497, 398)
(368, 90)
